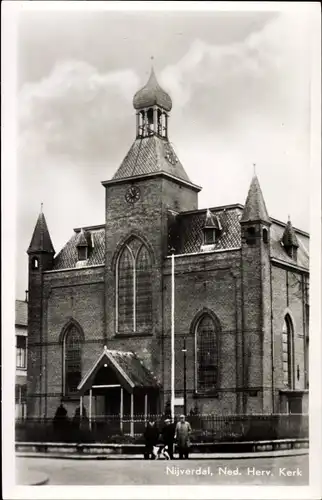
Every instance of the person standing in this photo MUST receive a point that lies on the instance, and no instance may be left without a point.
(167, 433)
(182, 436)
(60, 422)
(151, 436)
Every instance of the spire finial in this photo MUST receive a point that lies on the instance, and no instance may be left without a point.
(254, 167)
(41, 207)
(289, 218)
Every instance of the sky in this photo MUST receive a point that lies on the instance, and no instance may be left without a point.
(240, 86)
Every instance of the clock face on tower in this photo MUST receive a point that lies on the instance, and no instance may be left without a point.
(169, 155)
(132, 194)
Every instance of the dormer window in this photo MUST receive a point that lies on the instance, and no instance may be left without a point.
(290, 241)
(82, 245)
(212, 228)
(82, 253)
(209, 236)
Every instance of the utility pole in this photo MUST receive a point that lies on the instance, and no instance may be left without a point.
(184, 350)
(172, 335)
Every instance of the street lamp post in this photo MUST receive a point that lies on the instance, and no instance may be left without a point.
(184, 350)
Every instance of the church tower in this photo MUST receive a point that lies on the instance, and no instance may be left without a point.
(41, 255)
(149, 183)
(256, 292)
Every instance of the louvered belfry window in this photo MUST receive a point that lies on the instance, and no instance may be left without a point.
(73, 345)
(134, 288)
(207, 363)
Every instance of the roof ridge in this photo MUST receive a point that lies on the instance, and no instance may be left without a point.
(213, 209)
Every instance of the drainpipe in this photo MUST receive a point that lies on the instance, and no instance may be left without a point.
(272, 337)
(242, 336)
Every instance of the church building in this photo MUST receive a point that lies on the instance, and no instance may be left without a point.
(100, 310)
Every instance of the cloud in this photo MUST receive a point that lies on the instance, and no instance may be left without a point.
(233, 104)
(279, 47)
(75, 111)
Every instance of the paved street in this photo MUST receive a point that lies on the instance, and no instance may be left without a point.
(269, 471)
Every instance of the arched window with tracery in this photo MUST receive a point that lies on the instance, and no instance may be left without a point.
(134, 288)
(287, 351)
(206, 342)
(72, 346)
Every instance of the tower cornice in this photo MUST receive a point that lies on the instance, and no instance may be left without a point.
(138, 178)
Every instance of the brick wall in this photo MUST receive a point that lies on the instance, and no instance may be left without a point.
(204, 282)
(288, 299)
(147, 219)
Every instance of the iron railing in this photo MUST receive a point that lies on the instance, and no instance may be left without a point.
(205, 428)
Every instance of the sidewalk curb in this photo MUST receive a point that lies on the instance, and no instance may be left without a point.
(193, 456)
(41, 481)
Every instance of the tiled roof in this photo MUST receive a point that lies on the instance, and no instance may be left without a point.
(188, 228)
(185, 235)
(152, 94)
(128, 366)
(147, 155)
(68, 256)
(21, 313)
(278, 252)
(41, 240)
(255, 208)
(135, 369)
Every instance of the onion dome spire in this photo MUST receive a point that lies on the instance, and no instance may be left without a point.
(152, 95)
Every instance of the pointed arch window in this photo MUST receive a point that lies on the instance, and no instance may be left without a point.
(287, 352)
(72, 347)
(206, 338)
(134, 288)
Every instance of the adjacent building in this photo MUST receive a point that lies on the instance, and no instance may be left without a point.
(21, 324)
(100, 309)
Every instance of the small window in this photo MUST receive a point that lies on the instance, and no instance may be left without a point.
(265, 235)
(21, 351)
(82, 253)
(35, 263)
(250, 235)
(209, 236)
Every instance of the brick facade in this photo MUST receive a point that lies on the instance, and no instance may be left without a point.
(247, 288)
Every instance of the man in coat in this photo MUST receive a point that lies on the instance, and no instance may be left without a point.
(151, 437)
(182, 435)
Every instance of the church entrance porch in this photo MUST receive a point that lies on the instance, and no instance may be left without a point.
(121, 393)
